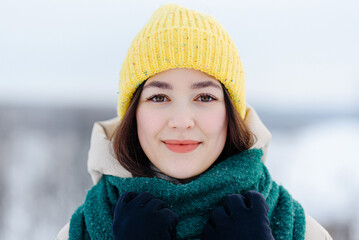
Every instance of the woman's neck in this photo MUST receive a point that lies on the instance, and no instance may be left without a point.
(173, 180)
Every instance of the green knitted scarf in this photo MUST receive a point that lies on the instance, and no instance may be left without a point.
(194, 201)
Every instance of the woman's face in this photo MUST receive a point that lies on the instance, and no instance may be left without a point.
(182, 121)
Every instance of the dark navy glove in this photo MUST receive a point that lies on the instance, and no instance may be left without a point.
(142, 216)
(243, 217)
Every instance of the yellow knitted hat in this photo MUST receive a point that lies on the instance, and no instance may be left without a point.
(178, 37)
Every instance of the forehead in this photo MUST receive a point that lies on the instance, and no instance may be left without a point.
(183, 76)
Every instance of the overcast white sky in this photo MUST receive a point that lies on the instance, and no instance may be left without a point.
(297, 53)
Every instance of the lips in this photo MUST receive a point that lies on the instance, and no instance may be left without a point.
(181, 146)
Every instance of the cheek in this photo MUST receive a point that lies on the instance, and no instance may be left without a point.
(148, 124)
(214, 122)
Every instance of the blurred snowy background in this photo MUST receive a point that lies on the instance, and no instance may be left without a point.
(59, 68)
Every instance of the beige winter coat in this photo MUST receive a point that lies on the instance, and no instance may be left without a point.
(101, 160)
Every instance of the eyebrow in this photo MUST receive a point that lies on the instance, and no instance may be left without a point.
(158, 84)
(204, 85)
(164, 85)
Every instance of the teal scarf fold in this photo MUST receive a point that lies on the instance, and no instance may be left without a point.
(194, 201)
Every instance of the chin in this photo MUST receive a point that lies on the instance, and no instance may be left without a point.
(185, 178)
(182, 168)
(182, 175)
(178, 175)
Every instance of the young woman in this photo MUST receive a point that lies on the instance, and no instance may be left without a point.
(184, 158)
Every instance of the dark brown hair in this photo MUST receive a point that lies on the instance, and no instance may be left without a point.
(129, 153)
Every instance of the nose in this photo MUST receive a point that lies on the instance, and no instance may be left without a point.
(182, 119)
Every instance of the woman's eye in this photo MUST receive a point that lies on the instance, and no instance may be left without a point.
(158, 98)
(206, 98)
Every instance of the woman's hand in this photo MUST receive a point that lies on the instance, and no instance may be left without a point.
(243, 216)
(142, 216)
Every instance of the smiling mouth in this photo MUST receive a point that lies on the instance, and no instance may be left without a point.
(181, 146)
